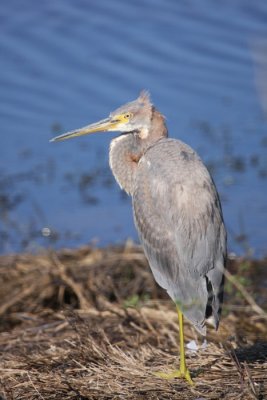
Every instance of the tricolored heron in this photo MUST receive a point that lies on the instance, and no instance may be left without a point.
(176, 209)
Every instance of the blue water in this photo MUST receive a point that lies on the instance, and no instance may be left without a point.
(64, 64)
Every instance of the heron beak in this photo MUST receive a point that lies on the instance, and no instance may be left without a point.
(104, 125)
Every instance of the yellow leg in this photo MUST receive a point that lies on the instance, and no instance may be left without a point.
(183, 372)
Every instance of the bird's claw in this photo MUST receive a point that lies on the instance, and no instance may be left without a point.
(176, 374)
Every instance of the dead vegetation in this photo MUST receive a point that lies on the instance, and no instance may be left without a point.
(92, 324)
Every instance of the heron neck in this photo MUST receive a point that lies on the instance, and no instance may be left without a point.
(127, 149)
(124, 154)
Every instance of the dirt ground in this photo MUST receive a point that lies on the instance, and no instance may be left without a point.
(92, 324)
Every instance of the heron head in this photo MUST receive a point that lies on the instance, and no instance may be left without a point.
(131, 117)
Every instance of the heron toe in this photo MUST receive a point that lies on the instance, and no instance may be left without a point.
(176, 374)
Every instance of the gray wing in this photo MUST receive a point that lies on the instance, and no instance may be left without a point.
(178, 216)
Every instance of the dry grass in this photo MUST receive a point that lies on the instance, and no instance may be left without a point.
(92, 324)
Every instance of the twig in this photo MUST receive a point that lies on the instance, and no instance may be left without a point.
(76, 287)
(35, 388)
(15, 299)
(148, 324)
(15, 371)
(252, 387)
(256, 308)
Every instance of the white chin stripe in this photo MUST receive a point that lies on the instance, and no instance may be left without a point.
(143, 134)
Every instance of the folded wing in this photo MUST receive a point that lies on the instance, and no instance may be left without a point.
(178, 216)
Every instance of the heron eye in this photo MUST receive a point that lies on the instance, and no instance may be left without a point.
(127, 116)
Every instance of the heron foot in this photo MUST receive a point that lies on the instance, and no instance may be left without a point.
(185, 374)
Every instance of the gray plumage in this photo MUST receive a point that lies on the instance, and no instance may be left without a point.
(178, 217)
(176, 207)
